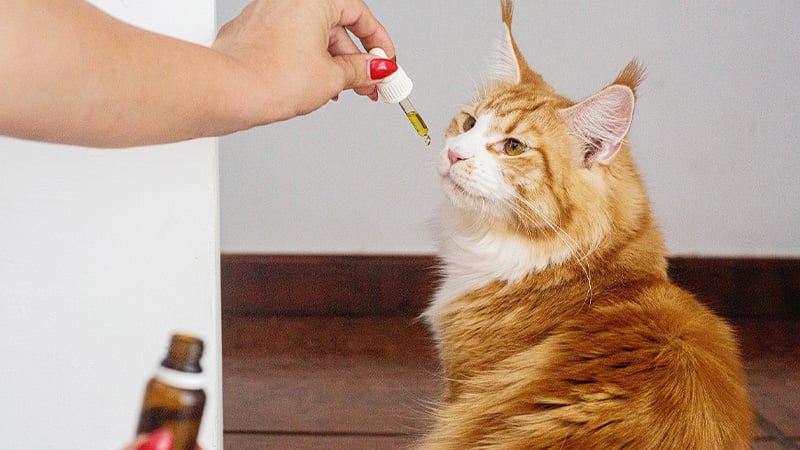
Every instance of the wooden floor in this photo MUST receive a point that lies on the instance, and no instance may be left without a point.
(366, 383)
(329, 383)
(303, 372)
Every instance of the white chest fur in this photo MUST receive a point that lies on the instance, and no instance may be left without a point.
(474, 256)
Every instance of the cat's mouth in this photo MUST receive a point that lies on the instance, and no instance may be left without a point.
(453, 187)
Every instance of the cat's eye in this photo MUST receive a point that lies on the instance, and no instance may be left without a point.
(513, 147)
(469, 123)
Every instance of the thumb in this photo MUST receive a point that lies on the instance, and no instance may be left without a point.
(161, 439)
(363, 70)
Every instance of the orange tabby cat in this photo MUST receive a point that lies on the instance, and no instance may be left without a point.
(555, 321)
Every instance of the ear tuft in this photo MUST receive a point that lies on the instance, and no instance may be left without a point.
(601, 122)
(632, 75)
(507, 6)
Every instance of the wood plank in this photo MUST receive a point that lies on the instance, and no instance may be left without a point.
(364, 285)
(771, 352)
(328, 375)
(237, 441)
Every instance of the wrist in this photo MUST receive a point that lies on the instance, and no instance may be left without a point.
(260, 97)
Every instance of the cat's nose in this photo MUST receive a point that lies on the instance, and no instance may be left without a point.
(454, 157)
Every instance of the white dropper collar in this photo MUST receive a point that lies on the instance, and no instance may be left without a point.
(396, 87)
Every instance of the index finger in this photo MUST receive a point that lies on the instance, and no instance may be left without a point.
(356, 17)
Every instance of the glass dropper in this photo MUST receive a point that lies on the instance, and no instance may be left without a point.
(396, 88)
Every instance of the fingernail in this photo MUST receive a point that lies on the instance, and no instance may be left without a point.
(380, 68)
(161, 439)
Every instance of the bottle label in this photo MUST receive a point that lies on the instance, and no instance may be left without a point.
(182, 380)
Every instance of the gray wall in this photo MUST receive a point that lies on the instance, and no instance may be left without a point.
(714, 133)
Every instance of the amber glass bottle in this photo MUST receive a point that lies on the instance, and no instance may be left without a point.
(174, 397)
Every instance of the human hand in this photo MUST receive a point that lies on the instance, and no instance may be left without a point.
(300, 53)
(161, 439)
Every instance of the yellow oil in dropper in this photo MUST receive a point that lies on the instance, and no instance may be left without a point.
(416, 120)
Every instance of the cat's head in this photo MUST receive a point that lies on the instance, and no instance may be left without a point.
(525, 158)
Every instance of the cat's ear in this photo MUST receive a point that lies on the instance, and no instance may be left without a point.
(601, 122)
(505, 64)
(508, 64)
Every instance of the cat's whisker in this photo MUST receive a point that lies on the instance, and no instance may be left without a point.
(477, 85)
(581, 256)
(488, 212)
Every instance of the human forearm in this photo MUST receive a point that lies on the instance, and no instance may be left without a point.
(73, 74)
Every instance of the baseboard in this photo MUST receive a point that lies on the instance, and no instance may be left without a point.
(352, 285)
(749, 288)
(375, 285)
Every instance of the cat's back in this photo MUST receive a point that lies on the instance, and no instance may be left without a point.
(671, 365)
(640, 367)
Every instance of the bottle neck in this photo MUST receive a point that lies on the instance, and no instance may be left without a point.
(179, 379)
(184, 353)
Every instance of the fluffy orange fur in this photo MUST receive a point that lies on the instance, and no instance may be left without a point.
(596, 351)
